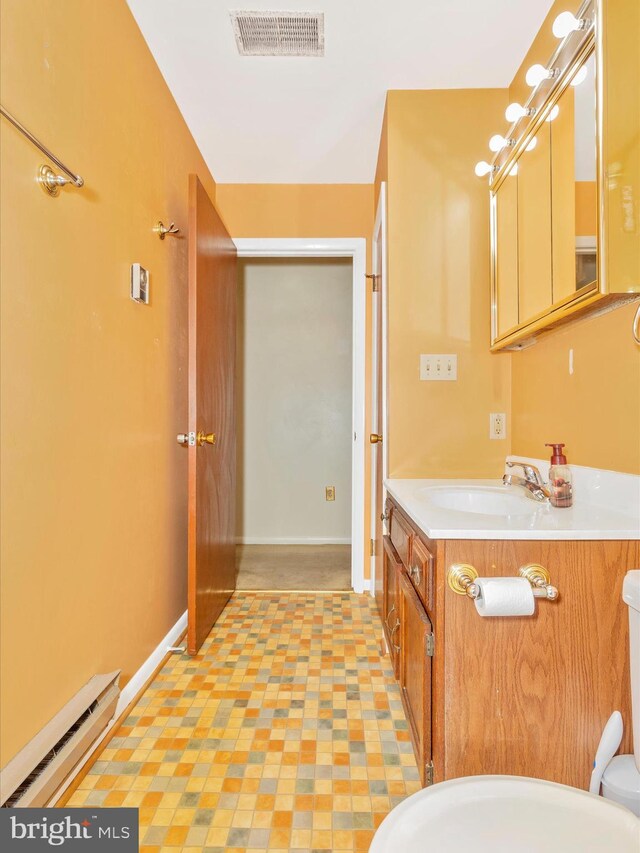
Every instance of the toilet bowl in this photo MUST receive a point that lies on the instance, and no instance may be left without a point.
(503, 814)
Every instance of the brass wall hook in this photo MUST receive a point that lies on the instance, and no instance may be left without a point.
(161, 229)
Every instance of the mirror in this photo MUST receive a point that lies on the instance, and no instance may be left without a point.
(573, 185)
(565, 179)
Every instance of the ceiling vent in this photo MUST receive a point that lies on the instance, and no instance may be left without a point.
(279, 33)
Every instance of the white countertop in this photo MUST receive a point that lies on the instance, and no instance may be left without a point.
(614, 512)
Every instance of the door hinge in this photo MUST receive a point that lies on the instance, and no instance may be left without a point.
(375, 279)
(428, 774)
(372, 547)
(430, 644)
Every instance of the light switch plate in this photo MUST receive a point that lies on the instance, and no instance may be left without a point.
(139, 284)
(441, 368)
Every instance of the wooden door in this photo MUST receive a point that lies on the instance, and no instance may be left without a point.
(415, 672)
(212, 466)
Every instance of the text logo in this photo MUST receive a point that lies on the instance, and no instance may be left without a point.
(36, 830)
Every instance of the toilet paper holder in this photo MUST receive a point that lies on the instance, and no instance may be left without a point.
(461, 578)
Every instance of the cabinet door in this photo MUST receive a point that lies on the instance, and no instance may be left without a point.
(534, 228)
(505, 212)
(415, 672)
(392, 568)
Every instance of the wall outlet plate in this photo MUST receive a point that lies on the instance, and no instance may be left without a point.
(139, 284)
(441, 368)
(497, 425)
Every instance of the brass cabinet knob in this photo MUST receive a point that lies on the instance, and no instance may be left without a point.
(205, 438)
(375, 439)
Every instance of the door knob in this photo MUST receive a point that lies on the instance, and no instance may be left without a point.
(205, 438)
(183, 438)
(375, 439)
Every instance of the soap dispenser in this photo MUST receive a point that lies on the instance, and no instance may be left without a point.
(559, 478)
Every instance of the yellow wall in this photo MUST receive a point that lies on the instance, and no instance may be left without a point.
(297, 210)
(93, 385)
(439, 284)
(596, 411)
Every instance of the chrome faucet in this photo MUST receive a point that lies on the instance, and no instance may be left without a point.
(532, 480)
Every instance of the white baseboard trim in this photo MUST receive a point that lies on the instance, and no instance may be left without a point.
(261, 540)
(127, 695)
(136, 683)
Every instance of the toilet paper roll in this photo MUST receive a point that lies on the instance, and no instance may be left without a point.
(505, 597)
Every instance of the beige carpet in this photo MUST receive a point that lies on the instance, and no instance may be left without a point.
(298, 567)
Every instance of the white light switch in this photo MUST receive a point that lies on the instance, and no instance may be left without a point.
(139, 284)
(443, 368)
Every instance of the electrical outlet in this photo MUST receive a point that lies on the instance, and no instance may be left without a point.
(330, 493)
(443, 368)
(497, 425)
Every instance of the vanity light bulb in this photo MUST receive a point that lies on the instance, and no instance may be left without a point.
(483, 168)
(532, 144)
(564, 24)
(497, 142)
(553, 114)
(513, 170)
(514, 113)
(580, 77)
(536, 74)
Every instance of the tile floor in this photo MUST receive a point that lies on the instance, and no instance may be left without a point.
(285, 733)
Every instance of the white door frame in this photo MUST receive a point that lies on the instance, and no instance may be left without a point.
(378, 304)
(356, 249)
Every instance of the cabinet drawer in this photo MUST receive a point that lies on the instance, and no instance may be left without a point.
(421, 570)
(400, 534)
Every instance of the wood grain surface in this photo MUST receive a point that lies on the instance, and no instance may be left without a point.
(212, 469)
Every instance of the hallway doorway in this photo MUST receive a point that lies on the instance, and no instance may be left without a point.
(300, 374)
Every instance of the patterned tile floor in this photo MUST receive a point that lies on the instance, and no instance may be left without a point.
(285, 733)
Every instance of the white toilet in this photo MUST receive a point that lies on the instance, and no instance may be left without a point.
(621, 779)
(503, 814)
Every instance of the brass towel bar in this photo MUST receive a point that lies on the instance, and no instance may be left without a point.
(46, 176)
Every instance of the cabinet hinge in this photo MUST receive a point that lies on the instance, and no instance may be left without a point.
(372, 547)
(374, 281)
(430, 644)
(428, 774)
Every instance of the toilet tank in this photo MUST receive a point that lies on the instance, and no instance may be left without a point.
(631, 597)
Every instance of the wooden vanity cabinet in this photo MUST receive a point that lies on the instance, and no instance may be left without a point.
(524, 696)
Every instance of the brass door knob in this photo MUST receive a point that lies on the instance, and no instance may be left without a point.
(375, 439)
(183, 438)
(205, 438)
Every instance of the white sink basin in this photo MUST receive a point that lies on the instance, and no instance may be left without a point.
(481, 500)
(505, 814)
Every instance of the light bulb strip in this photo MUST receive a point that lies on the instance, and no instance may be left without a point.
(563, 63)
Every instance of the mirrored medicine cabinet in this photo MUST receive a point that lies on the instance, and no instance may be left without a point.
(565, 186)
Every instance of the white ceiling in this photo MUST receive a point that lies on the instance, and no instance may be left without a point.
(302, 120)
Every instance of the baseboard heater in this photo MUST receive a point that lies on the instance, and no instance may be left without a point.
(34, 775)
